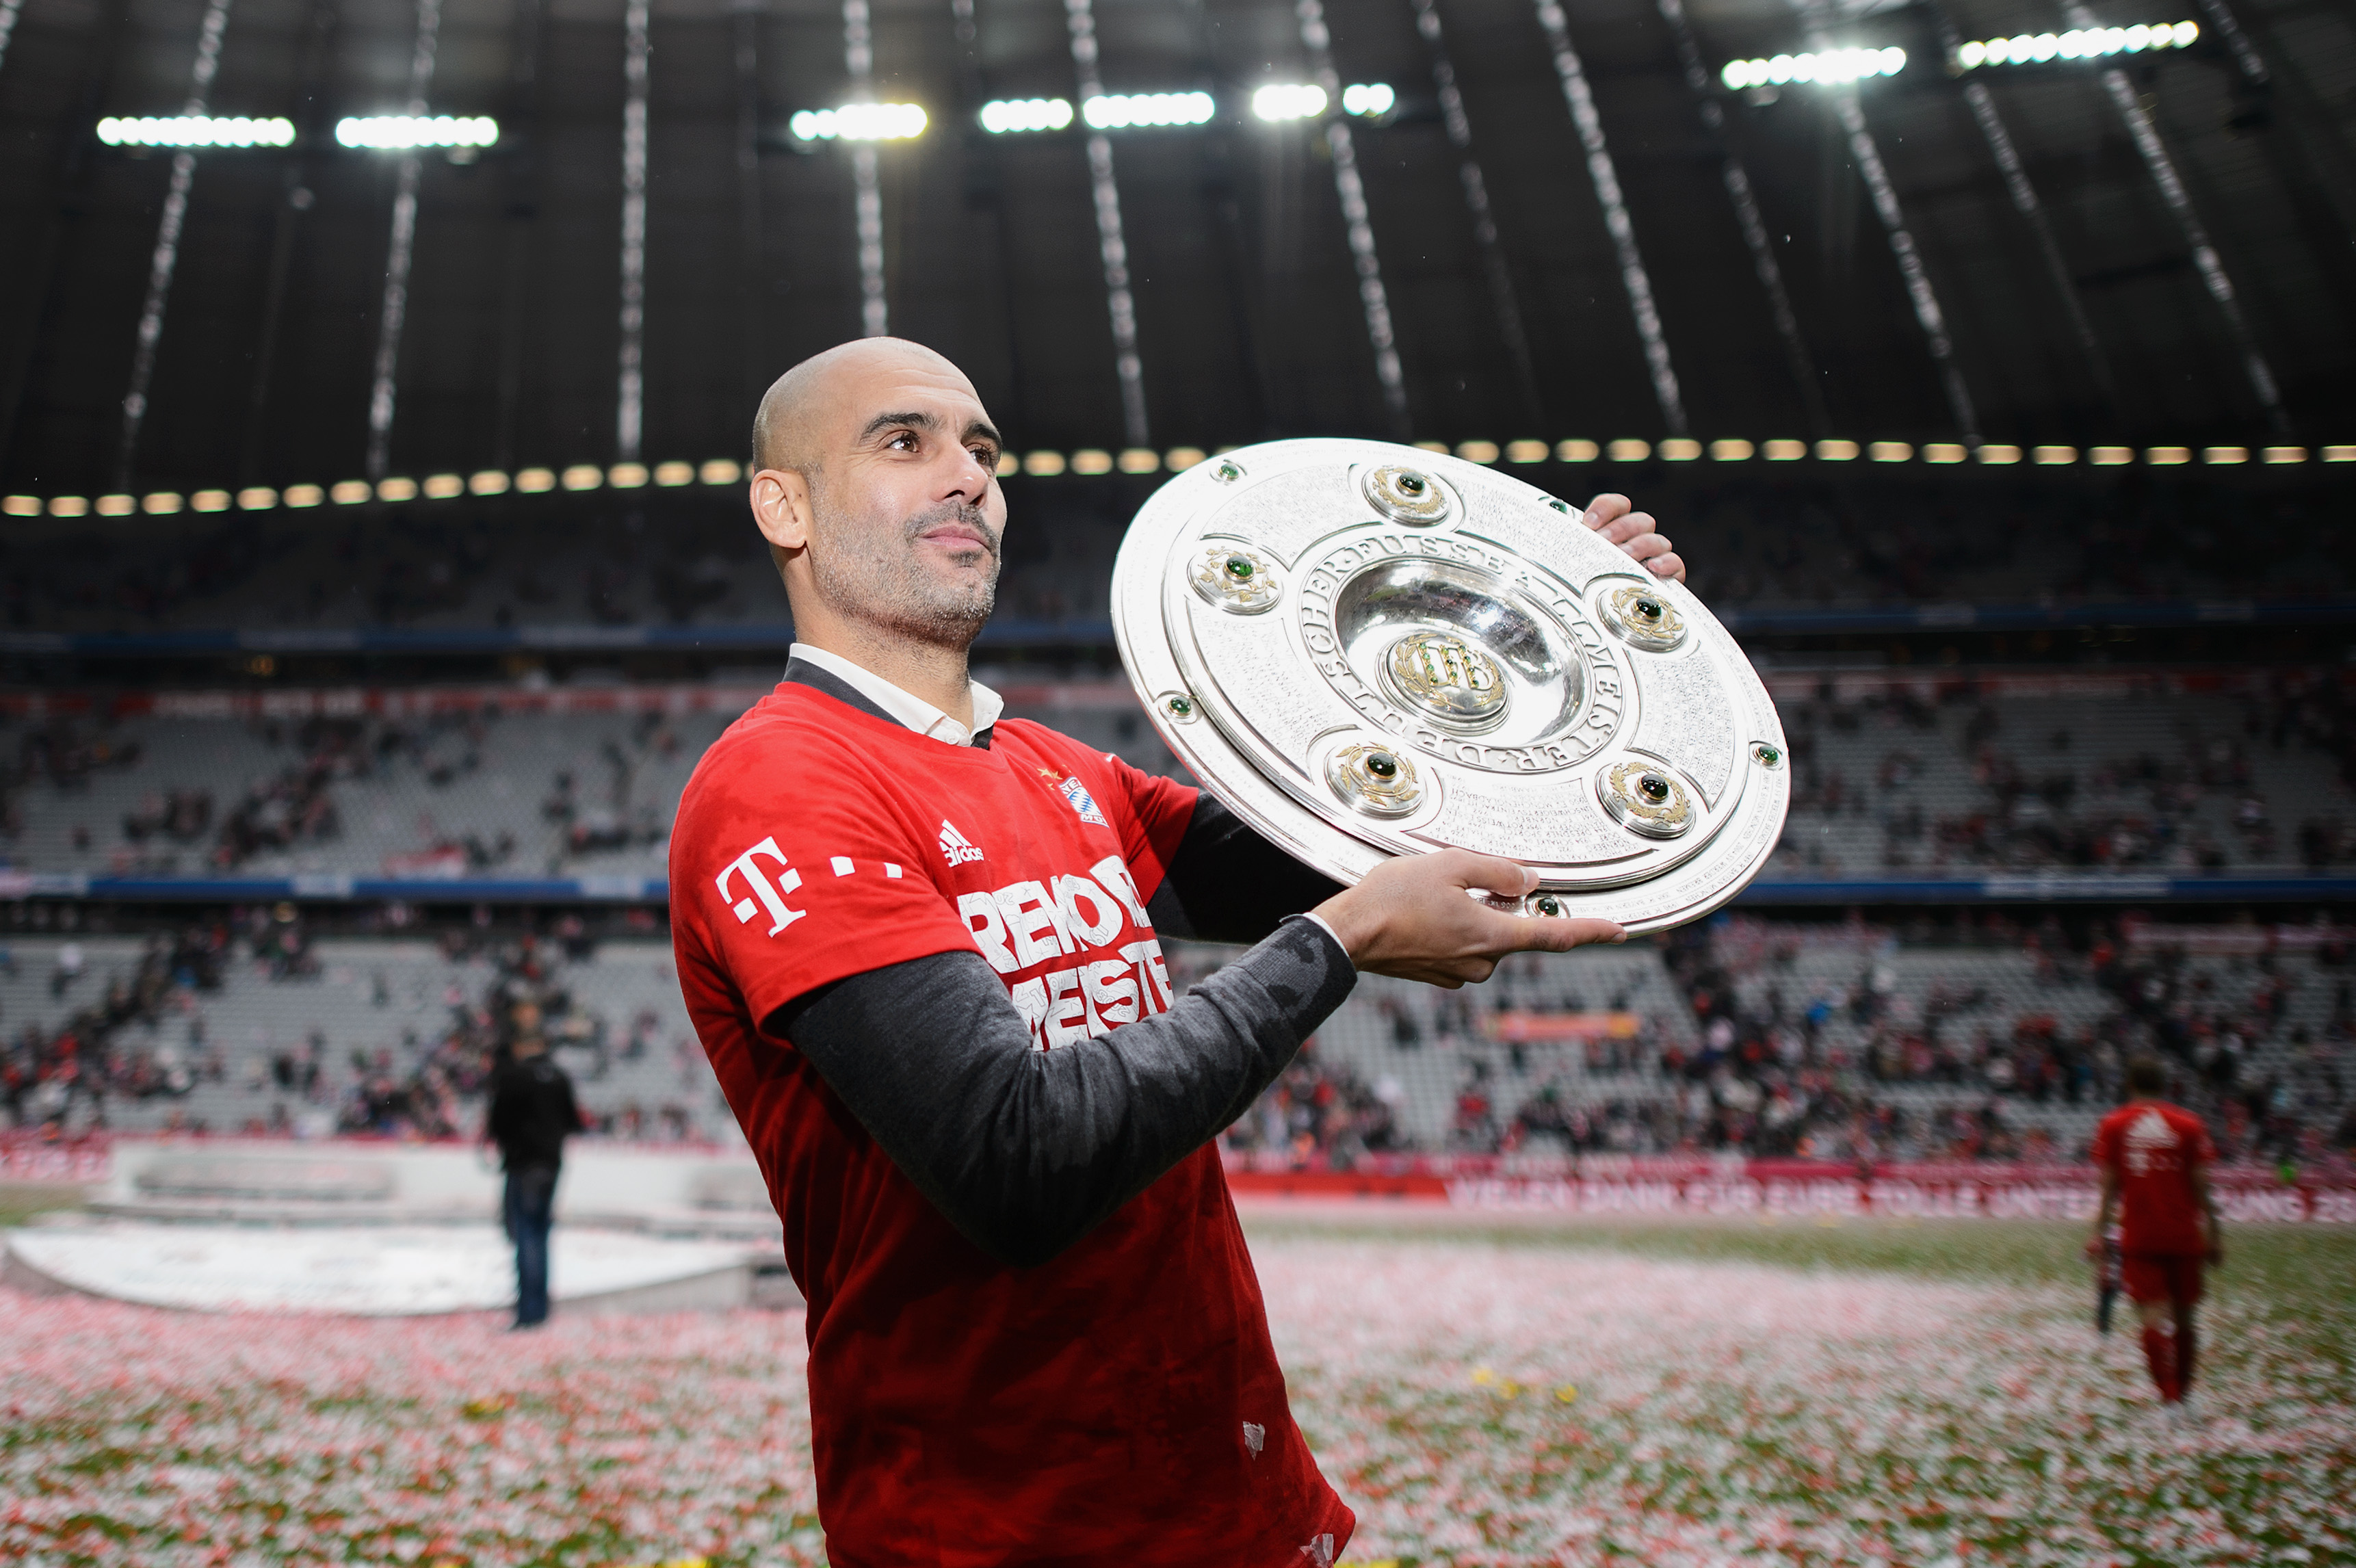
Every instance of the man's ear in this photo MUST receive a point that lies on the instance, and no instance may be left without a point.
(781, 508)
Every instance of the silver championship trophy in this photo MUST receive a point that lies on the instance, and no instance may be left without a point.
(1368, 651)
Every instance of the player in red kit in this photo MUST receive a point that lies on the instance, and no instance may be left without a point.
(2155, 1160)
(921, 943)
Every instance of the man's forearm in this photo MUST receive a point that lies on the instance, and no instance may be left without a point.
(1026, 1151)
(1227, 884)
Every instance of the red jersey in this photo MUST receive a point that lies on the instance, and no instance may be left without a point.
(1119, 1403)
(2154, 1147)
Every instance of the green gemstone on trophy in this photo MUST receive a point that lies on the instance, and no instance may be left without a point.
(1550, 905)
(1239, 567)
(1382, 765)
(1655, 787)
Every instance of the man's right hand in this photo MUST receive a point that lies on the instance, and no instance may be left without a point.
(1414, 918)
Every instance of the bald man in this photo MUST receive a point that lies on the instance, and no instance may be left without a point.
(921, 944)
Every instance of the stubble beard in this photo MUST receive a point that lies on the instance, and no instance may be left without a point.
(888, 586)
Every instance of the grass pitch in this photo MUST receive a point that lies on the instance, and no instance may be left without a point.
(1885, 1393)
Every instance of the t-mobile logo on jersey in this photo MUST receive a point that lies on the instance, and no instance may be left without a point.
(956, 848)
(772, 895)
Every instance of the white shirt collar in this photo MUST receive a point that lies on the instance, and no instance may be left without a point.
(912, 711)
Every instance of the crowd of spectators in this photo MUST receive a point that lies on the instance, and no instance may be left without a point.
(133, 1035)
(2036, 804)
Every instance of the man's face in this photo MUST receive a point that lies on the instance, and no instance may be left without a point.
(906, 513)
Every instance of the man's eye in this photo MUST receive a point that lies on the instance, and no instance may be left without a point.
(906, 439)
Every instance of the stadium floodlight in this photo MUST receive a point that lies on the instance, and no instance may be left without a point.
(1834, 68)
(1000, 116)
(1119, 111)
(404, 133)
(859, 123)
(1289, 101)
(2079, 43)
(1368, 99)
(197, 131)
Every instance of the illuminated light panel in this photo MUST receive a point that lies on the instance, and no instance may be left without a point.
(1368, 99)
(396, 490)
(1678, 449)
(2285, 454)
(1834, 68)
(1181, 458)
(1139, 460)
(533, 481)
(21, 506)
(1525, 451)
(2225, 455)
(117, 505)
(720, 471)
(582, 476)
(1441, 446)
(671, 475)
(1045, 465)
(69, 506)
(2166, 456)
(1628, 449)
(1002, 115)
(1575, 451)
(627, 475)
(256, 498)
(2340, 454)
(1999, 455)
(1836, 451)
(2109, 456)
(489, 482)
(1008, 462)
(1289, 101)
(1732, 451)
(197, 131)
(1786, 451)
(1477, 451)
(2079, 43)
(210, 500)
(1124, 111)
(401, 132)
(160, 503)
(859, 123)
(1891, 451)
(444, 487)
(1944, 452)
(1091, 460)
(2054, 457)
(302, 496)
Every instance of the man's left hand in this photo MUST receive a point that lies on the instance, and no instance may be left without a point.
(1616, 517)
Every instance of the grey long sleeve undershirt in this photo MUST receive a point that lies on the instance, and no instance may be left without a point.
(1025, 1151)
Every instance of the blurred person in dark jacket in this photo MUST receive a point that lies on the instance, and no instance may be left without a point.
(532, 1111)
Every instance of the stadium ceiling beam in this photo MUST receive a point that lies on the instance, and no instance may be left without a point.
(1112, 243)
(630, 381)
(2162, 169)
(1501, 301)
(1749, 219)
(2023, 192)
(165, 259)
(1605, 177)
(1317, 39)
(859, 60)
(400, 247)
(1816, 16)
(296, 200)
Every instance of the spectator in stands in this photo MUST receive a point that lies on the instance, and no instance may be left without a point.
(532, 1111)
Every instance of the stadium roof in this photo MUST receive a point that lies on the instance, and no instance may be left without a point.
(2171, 259)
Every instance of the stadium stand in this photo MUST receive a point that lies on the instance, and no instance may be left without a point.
(2187, 772)
(1832, 1040)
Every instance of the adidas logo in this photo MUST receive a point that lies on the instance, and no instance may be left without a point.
(956, 848)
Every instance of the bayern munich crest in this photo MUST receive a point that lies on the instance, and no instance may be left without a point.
(1367, 649)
